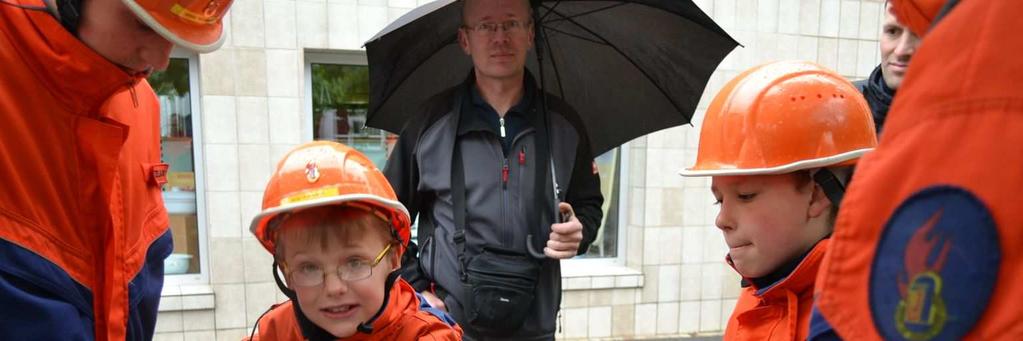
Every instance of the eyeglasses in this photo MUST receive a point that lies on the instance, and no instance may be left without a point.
(308, 275)
(490, 28)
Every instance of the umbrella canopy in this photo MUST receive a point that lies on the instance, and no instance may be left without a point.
(628, 68)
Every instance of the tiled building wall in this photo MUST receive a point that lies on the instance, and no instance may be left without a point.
(674, 280)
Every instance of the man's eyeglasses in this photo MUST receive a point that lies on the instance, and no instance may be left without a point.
(490, 28)
(308, 275)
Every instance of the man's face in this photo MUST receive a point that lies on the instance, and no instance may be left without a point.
(113, 31)
(501, 53)
(898, 45)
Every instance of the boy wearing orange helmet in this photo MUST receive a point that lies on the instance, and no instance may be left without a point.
(337, 233)
(778, 141)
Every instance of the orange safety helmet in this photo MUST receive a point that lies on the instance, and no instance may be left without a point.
(197, 25)
(782, 117)
(324, 173)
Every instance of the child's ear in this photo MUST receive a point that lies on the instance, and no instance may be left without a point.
(819, 202)
(395, 260)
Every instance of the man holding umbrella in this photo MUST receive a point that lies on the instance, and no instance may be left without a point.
(477, 165)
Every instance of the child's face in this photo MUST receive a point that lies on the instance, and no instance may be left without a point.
(336, 305)
(768, 220)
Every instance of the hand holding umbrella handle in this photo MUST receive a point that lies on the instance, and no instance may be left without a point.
(563, 216)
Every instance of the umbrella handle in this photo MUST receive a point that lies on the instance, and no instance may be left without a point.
(532, 249)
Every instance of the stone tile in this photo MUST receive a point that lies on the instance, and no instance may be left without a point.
(372, 19)
(373, 2)
(232, 334)
(767, 46)
(221, 167)
(670, 245)
(196, 320)
(731, 282)
(867, 53)
(646, 319)
(343, 34)
(663, 170)
(219, 119)
(710, 316)
(849, 20)
(634, 250)
(767, 15)
(599, 322)
(178, 336)
(624, 296)
(600, 297)
(827, 53)
(807, 49)
(696, 202)
(223, 214)
(251, 72)
(282, 73)
(829, 18)
(577, 283)
(253, 166)
(393, 13)
(788, 47)
(285, 121)
(253, 126)
(727, 306)
(623, 320)
(690, 281)
(707, 6)
(603, 282)
(247, 23)
(312, 29)
(689, 317)
(871, 17)
(575, 322)
(724, 14)
(668, 283)
(712, 281)
(231, 304)
(847, 50)
(637, 168)
(251, 204)
(714, 247)
(216, 74)
(281, 24)
(788, 16)
(667, 138)
(630, 281)
(651, 274)
(225, 257)
(692, 244)
(206, 335)
(169, 303)
(809, 12)
(746, 15)
(650, 244)
(672, 216)
(168, 322)
(401, 3)
(257, 262)
(197, 302)
(667, 318)
(258, 298)
(575, 299)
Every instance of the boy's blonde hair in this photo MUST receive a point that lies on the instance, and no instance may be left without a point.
(329, 223)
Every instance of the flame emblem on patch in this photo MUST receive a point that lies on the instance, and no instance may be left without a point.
(921, 313)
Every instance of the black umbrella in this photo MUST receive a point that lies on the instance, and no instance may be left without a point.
(628, 67)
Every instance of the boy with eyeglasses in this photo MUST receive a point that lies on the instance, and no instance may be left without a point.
(337, 234)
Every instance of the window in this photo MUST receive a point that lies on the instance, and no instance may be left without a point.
(339, 98)
(182, 195)
(609, 237)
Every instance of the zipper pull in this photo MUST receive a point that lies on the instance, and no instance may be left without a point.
(134, 96)
(504, 175)
(522, 157)
(502, 126)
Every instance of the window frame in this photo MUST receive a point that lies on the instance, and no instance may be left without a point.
(198, 162)
(623, 199)
(337, 57)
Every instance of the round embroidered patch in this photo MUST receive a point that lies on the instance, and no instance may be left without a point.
(935, 267)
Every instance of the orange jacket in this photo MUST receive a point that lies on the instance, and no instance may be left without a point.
(81, 212)
(403, 319)
(781, 311)
(929, 244)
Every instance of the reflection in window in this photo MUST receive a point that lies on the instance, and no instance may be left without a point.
(173, 90)
(606, 244)
(340, 95)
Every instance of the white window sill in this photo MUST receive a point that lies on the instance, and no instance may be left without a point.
(595, 274)
(187, 297)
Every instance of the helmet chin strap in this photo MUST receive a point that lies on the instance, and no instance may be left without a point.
(310, 330)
